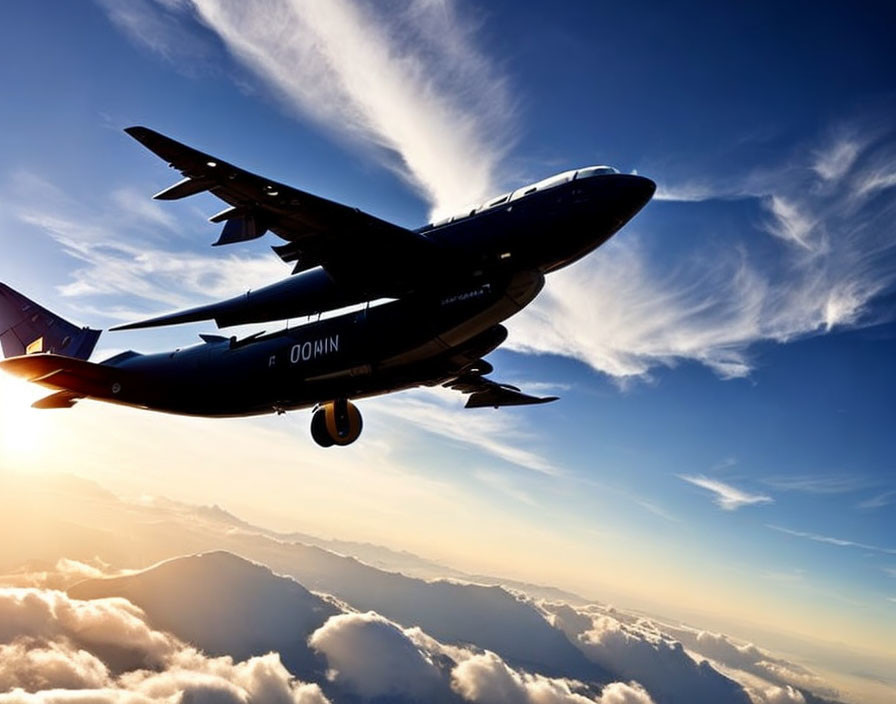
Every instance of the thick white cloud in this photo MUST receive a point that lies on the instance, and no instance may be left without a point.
(718, 647)
(57, 649)
(102, 623)
(668, 659)
(60, 665)
(634, 648)
(62, 575)
(486, 679)
(374, 657)
(785, 676)
(622, 693)
(261, 679)
(780, 695)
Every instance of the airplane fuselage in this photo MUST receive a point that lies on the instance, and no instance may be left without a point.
(387, 347)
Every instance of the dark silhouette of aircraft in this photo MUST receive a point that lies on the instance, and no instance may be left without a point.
(449, 285)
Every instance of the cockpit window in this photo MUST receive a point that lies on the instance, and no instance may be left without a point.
(595, 171)
(565, 177)
(543, 185)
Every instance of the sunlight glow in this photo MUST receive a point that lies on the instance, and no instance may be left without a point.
(22, 428)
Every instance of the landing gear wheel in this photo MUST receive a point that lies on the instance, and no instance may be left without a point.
(336, 423)
(319, 429)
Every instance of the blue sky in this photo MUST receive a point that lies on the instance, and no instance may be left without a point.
(725, 362)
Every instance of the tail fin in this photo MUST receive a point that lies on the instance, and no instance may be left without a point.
(26, 328)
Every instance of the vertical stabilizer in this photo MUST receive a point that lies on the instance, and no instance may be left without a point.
(27, 328)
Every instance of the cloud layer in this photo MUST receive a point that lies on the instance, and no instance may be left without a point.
(57, 649)
(679, 663)
(374, 657)
(54, 648)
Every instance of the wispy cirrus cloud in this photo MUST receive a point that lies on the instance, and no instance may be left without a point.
(879, 501)
(726, 496)
(120, 254)
(819, 484)
(630, 308)
(441, 412)
(159, 26)
(788, 221)
(409, 78)
(688, 192)
(834, 162)
(829, 540)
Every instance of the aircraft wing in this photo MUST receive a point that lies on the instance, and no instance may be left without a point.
(355, 248)
(485, 392)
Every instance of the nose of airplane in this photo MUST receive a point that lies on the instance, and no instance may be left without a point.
(615, 199)
(633, 192)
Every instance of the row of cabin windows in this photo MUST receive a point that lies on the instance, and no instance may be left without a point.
(550, 182)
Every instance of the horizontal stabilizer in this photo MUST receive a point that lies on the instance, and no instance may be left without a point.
(27, 328)
(495, 398)
(485, 393)
(67, 374)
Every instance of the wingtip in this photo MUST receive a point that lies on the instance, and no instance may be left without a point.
(140, 133)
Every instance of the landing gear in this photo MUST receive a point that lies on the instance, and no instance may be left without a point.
(336, 423)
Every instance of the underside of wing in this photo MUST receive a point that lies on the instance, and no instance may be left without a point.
(485, 393)
(354, 247)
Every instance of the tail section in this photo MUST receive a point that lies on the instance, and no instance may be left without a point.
(27, 328)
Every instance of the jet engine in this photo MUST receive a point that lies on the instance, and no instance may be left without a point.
(336, 423)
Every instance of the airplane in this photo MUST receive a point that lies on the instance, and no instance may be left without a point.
(441, 293)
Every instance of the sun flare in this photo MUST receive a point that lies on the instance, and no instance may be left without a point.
(22, 428)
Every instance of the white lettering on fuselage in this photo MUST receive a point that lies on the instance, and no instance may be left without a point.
(467, 295)
(312, 349)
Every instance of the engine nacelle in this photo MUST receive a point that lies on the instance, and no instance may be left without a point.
(336, 423)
